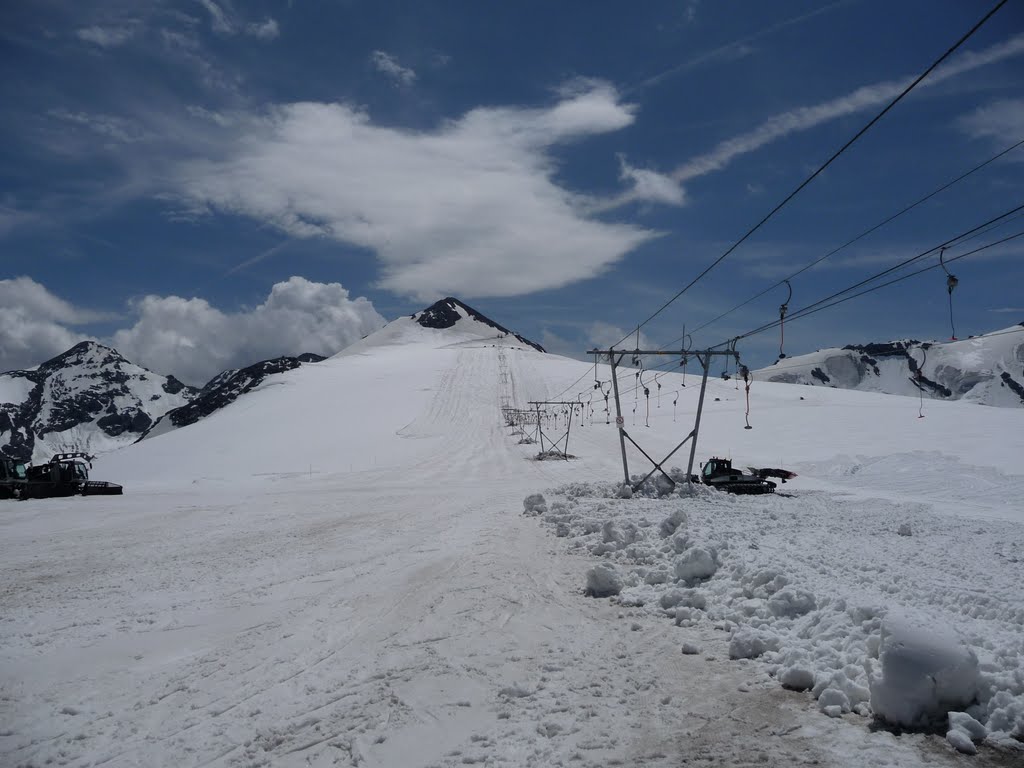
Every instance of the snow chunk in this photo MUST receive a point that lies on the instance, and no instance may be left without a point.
(964, 730)
(749, 643)
(691, 649)
(926, 671)
(603, 580)
(534, 504)
(672, 522)
(515, 691)
(790, 603)
(695, 564)
(797, 678)
(833, 698)
(619, 534)
(904, 530)
(961, 741)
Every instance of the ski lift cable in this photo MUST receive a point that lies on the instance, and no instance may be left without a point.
(964, 237)
(827, 163)
(813, 308)
(864, 234)
(951, 241)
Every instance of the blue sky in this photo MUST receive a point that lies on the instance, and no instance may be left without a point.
(204, 182)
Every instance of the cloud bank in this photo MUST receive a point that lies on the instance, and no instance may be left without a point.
(471, 208)
(35, 325)
(188, 337)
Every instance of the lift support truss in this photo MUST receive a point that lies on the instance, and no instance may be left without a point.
(615, 357)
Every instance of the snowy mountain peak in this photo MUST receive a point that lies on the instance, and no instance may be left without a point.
(449, 311)
(88, 398)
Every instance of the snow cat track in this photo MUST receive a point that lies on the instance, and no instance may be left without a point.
(747, 488)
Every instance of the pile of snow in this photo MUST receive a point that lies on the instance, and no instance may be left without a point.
(926, 673)
(826, 593)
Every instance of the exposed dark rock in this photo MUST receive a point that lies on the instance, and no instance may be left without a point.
(1014, 385)
(172, 386)
(310, 357)
(820, 375)
(443, 314)
(128, 421)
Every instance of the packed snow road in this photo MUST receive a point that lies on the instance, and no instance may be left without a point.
(337, 571)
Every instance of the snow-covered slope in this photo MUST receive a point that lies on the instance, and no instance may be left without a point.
(987, 369)
(223, 389)
(89, 398)
(335, 570)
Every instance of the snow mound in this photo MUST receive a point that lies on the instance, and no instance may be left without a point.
(926, 672)
(603, 580)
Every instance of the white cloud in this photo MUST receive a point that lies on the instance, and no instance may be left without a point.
(265, 30)
(603, 335)
(106, 37)
(34, 323)
(1001, 120)
(652, 186)
(470, 208)
(187, 337)
(388, 64)
(117, 128)
(219, 18)
(195, 341)
(805, 118)
(800, 119)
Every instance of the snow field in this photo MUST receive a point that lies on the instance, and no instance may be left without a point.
(824, 590)
(334, 570)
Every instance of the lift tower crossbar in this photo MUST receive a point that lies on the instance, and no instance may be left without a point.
(572, 405)
(704, 358)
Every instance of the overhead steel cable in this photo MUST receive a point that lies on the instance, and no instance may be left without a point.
(861, 236)
(821, 168)
(834, 299)
(929, 268)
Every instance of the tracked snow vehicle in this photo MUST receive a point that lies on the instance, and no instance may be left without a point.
(13, 478)
(720, 474)
(66, 474)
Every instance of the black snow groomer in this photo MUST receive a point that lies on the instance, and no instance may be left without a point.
(720, 474)
(13, 478)
(66, 474)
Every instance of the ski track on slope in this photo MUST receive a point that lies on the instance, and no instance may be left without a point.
(387, 617)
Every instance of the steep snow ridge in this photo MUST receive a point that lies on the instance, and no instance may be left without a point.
(224, 389)
(987, 369)
(89, 398)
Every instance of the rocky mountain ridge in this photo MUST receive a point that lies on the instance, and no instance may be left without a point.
(89, 398)
(986, 369)
(447, 312)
